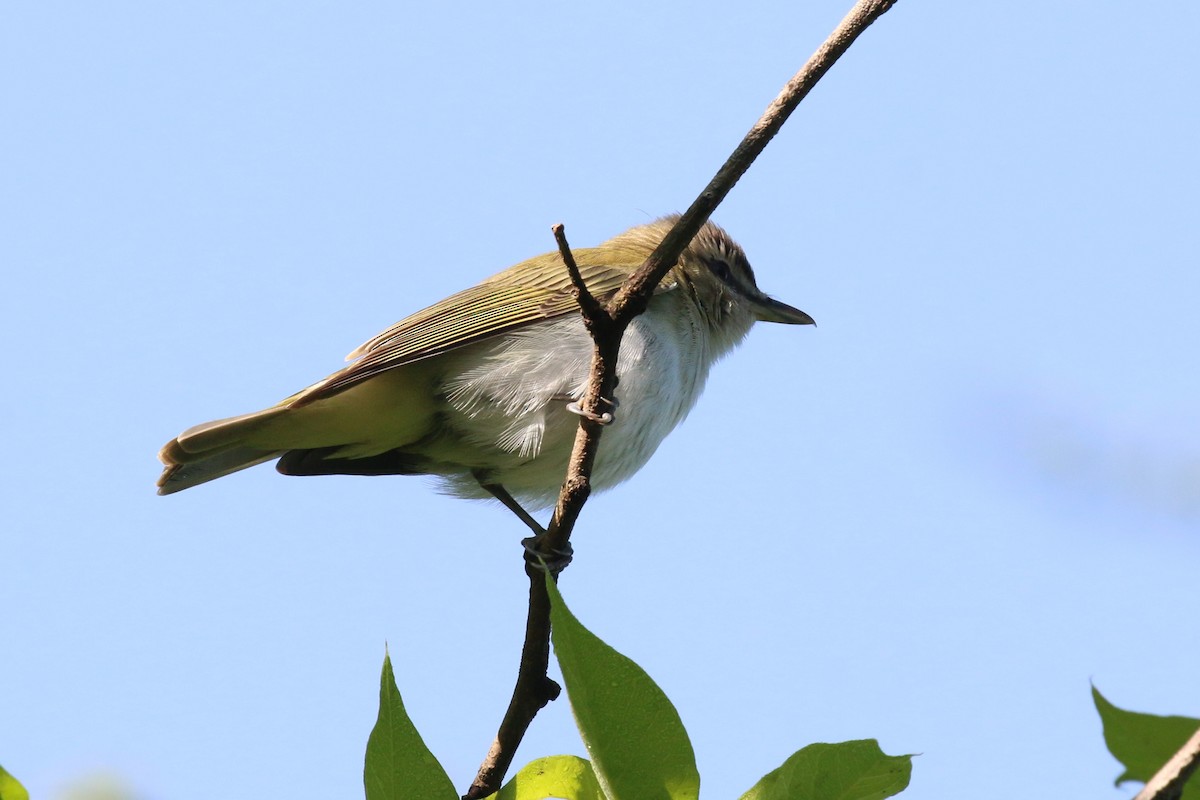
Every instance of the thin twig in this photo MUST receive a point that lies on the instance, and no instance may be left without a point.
(1168, 782)
(533, 690)
(630, 301)
(602, 383)
(588, 304)
(633, 297)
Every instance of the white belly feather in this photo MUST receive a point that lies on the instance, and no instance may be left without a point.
(519, 384)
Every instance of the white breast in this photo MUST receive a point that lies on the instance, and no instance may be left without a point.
(507, 398)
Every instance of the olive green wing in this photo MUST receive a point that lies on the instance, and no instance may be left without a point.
(534, 290)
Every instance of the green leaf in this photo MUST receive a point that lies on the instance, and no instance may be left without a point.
(399, 766)
(638, 746)
(568, 777)
(11, 788)
(1143, 743)
(856, 770)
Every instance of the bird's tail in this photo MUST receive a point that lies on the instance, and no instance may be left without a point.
(346, 432)
(213, 450)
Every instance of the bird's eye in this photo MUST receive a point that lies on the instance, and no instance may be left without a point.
(721, 270)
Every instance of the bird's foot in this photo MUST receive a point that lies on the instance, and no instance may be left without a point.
(553, 561)
(603, 418)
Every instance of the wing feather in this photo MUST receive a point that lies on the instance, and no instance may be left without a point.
(534, 290)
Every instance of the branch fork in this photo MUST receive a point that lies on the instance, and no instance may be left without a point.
(607, 324)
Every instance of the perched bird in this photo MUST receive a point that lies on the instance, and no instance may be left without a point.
(476, 389)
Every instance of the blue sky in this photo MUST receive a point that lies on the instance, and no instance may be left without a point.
(933, 519)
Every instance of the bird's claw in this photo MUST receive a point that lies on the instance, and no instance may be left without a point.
(600, 419)
(552, 561)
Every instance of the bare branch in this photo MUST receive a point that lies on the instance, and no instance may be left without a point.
(533, 690)
(633, 297)
(589, 305)
(607, 326)
(602, 382)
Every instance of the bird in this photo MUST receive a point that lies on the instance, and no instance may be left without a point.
(480, 390)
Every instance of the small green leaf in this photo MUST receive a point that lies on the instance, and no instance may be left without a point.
(1143, 743)
(638, 746)
(567, 777)
(856, 770)
(399, 766)
(11, 788)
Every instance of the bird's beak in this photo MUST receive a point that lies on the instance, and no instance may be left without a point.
(768, 310)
